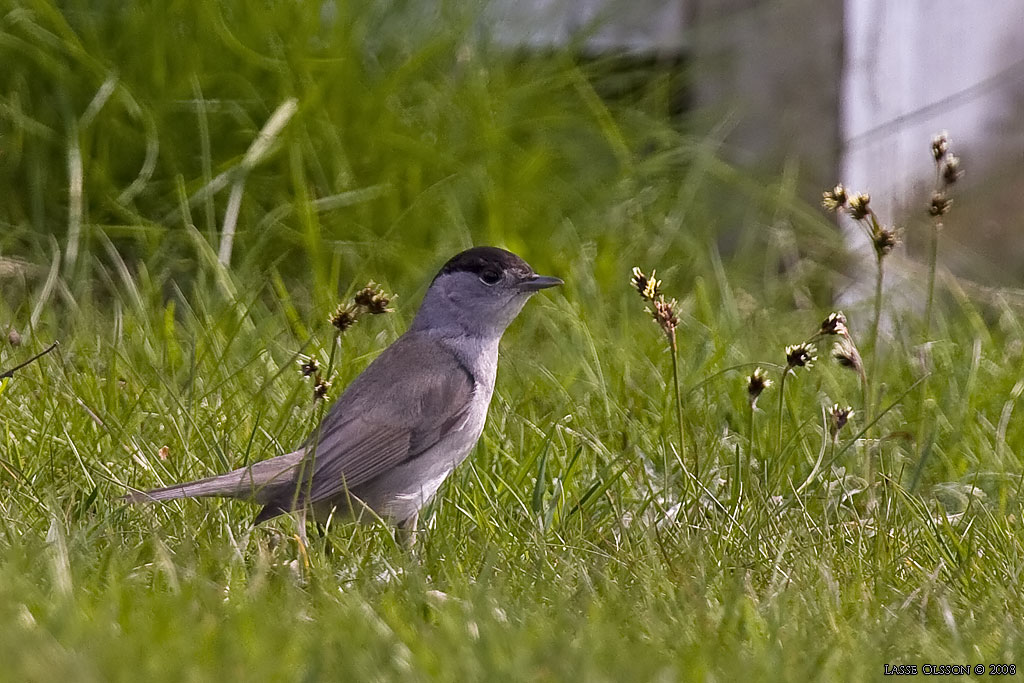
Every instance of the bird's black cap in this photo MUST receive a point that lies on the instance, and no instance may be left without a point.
(482, 259)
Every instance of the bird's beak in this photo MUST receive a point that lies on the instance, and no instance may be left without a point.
(539, 282)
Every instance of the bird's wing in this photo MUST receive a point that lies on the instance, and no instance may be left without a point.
(401, 406)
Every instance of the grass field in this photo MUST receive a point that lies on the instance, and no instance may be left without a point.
(344, 145)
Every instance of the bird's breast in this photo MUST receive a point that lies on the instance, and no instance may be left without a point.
(401, 492)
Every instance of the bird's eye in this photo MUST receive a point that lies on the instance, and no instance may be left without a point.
(490, 277)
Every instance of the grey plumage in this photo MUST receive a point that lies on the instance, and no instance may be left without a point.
(409, 419)
(257, 482)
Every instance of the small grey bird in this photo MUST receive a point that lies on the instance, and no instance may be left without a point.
(409, 419)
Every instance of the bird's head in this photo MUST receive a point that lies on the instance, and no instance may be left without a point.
(480, 290)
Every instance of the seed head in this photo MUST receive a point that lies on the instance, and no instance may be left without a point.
(885, 240)
(308, 366)
(14, 338)
(757, 382)
(648, 287)
(345, 316)
(800, 356)
(940, 145)
(373, 299)
(664, 314)
(838, 417)
(951, 170)
(858, 207)
(835, 323)
(834, 199)
(846, 354)
(320, 388)
(939, 205)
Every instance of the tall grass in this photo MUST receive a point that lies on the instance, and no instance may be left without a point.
(570, 545)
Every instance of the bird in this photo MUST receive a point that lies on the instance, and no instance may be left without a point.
(407, 421)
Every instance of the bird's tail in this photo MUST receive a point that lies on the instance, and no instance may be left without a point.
(258, 482)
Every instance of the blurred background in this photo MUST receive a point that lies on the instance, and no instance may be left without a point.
(321, 135)
(845, 89)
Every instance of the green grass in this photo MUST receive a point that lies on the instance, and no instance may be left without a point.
(574, 544)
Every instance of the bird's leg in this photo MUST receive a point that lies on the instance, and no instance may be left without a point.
(405, 532)
(321, 531)
(300, 521)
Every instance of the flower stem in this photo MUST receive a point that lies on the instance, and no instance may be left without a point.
(873, 365)
(679, 404)
(869, 399)
(319, 407)
(933, 257)
(751, 451)
(778, 424)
